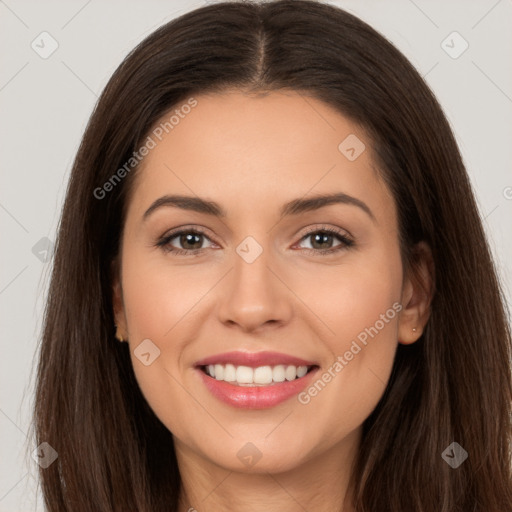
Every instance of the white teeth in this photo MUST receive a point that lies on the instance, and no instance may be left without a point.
(245, 375)
(290, 373)
(229, 373)
(219, 372)
(301, 371)
(278, 374)
(263, 375)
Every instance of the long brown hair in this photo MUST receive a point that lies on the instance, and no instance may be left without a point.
(454, 384)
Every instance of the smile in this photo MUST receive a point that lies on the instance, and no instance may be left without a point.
(259, 376)
(248, 394)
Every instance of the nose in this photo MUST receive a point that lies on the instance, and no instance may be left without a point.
(254, 296)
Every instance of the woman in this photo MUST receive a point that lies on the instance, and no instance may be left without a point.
(197, 355)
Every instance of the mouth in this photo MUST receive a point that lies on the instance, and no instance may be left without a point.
(255, 387)
(259, 376)
(255, 380)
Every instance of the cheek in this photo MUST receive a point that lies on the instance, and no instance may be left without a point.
(352, 297)
(360, 305)
(158, 295)
(158, 302)
(359, 302)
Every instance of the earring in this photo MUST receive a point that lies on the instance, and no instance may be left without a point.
(414, 329)
(119, 336)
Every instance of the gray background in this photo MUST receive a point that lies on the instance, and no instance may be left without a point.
(45, 104)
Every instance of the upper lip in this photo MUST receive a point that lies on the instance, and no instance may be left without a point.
(254, 359)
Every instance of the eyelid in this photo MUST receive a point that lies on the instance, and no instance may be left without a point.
(330, 229)
(186, 228)
(346, 240)
(164, 240)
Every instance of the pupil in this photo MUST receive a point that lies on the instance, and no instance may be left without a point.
(185, 239)
(321, 237)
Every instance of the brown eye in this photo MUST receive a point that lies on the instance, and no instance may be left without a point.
(185, 241)
(321, 241)
(190, 241)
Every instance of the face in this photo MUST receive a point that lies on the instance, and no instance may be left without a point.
(263, 285)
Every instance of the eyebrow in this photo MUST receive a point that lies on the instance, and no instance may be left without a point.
(294, 207)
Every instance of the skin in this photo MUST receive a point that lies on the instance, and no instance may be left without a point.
(251, 154)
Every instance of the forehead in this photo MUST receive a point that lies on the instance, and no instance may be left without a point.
(254, 150)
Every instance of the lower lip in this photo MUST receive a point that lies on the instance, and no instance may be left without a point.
(256, 397)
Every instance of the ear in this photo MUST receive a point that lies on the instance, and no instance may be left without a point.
(417, 294)
(118, 303)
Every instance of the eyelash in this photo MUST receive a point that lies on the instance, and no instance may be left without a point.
(164, 242)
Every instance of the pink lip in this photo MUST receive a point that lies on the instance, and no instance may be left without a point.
(254, 359)
(255, 397)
